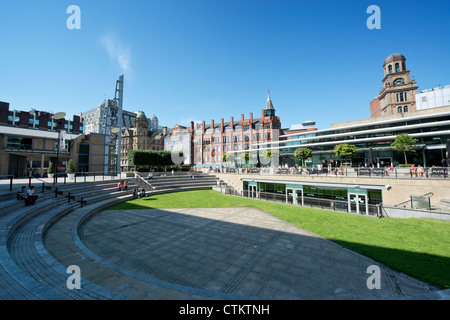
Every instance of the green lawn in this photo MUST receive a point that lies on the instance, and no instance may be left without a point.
(417, 247)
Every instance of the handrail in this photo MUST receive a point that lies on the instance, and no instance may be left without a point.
(144, 181)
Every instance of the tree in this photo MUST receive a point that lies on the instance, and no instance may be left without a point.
(226, 157)
(345, 150)
(302, 153)
(404, 143)
(245, 156)
(71, 167)
(51, 168)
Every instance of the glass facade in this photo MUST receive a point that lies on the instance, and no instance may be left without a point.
(432, 132)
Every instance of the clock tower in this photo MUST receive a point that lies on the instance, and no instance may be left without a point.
(398, 94)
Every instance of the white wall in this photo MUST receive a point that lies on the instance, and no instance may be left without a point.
(433, 98)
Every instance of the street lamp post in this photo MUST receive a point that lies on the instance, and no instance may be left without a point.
(58, 117)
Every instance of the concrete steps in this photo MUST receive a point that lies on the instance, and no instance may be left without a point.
(28, 271)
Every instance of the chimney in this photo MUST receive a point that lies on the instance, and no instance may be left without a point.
(192, 125)
(212, 126)
(221, 125)
(203, 127)
(242, 119)
(232, 123)
(262, 114)
(251, 118)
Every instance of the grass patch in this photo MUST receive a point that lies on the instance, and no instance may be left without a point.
(417, 247)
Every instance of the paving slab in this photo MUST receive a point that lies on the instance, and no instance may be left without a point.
(243, 252)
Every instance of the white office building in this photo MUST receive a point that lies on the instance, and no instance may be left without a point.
(433, 98)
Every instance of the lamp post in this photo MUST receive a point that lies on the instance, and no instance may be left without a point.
(58, 117)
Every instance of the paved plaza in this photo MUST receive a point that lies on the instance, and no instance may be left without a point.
(219, 253)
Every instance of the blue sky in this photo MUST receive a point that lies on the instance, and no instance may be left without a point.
(211, 59)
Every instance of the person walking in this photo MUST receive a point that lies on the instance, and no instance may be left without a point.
(31, 197)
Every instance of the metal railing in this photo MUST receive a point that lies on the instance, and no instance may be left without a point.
(428, 172)
(319, 203)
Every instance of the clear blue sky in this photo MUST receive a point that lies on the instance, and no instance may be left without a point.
(199, 60)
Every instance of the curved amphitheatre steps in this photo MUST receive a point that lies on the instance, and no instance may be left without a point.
(38, 243)
(28, 271)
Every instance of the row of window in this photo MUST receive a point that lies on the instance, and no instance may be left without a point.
(236, 129)
(402, 109)
(402, 96)
(34, 123)
(397, 67)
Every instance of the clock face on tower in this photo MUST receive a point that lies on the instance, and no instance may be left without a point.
(399, 81)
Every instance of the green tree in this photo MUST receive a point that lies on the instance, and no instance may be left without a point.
(245, 156)
(51, 168)
(302, 153)
(71, 167)
(345, 150)
(226, 157)
(404, 143)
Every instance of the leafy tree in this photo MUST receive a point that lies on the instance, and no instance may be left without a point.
(345, 150)
(245, 156)
(71, 167)
(302, 153)
(51, 168)
(226, 157)
(404, 143)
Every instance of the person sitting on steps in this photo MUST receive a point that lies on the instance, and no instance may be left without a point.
(21, 193)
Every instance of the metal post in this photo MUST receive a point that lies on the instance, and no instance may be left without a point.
(69, 198)
(29, 182)
(43, 187)
(56, 193)
(11, 183)
(82, 202)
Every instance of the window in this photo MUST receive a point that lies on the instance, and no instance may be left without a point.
(246, 128)
(399, 81)
(399, 109)
(390, 69)
(405, 109)
(397, 67)
(402, 97)
(267, 126)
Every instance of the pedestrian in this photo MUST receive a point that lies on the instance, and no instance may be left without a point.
(31, 197)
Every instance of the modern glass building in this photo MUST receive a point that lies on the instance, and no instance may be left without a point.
(362, 199)
(373, 138)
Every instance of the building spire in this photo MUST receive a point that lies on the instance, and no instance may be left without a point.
(269, 105)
